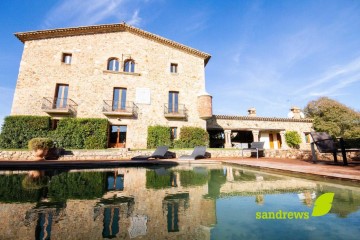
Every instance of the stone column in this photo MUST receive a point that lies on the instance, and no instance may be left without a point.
(283, 141)
(229, 174)
(227, 139)
(255, 134)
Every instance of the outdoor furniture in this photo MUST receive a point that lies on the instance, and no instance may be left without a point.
(160, 152)
(326, 144)
(199, 152)
(255, 147)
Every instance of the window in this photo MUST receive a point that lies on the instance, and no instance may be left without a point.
(129, 65)
(66, 58)
(173, 102)
(173, 68)
(307, 137)
(173, 133)
(61, 96)
(113, 64)
(119, 99)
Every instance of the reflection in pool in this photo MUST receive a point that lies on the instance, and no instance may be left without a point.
(184, 202)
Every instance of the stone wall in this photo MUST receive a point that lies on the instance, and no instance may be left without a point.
(90, 83)
(118, 154)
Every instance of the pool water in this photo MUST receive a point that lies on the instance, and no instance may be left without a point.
(182, 202)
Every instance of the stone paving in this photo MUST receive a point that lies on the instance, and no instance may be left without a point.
(324, 169)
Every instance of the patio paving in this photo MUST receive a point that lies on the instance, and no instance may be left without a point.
(322, 168)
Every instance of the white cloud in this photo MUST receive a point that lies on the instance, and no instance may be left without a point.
(135, 19)
(79, 12)
(337, 78)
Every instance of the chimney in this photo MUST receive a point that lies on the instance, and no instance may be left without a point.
(252, 112)
(296, 113)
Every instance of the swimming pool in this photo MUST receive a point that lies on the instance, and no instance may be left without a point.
(182, 202)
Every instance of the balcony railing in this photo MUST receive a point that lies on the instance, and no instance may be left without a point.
(112, 108)
(175, 111)
(58, 105)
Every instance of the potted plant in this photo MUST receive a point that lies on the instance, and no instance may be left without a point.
(40, 147)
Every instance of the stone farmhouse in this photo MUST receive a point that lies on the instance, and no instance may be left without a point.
(135, 79)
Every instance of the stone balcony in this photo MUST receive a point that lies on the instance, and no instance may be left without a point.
(177, 111)
(119, 109)
(58, 106)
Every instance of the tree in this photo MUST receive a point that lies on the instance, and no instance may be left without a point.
(333, 117)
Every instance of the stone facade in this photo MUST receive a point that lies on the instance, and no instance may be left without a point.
(90, 83)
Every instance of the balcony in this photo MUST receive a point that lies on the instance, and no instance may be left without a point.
(119, 109)
(63, 106)
(178, 111)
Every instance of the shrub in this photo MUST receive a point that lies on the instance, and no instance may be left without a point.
(190, 178)
(293, 139)
(77, 185)
(157, 181)
(12, 190)
(88, 133)
(18, 130)
(40, 143)
(158, 136)
(191, 137)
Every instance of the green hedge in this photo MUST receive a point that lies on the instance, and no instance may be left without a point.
(158, 136)
(158, 181)
(77, 185)
(12, 190)
(191, 137)
(293, 139)
(18, 130)
(190, 178)
(79, 133)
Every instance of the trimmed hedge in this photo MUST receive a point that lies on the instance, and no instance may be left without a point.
(80, 133)
(190, 178)
(293, 139)
(18, 130)
(156, 181)
(77, 185)
(191, 137)
(158, 136)
(12, 190)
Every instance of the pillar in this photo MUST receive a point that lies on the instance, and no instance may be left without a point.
(229, 174)
(227, 138)
(283, 141)
(255, 134)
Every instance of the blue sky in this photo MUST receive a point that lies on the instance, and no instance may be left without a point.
(265, 54)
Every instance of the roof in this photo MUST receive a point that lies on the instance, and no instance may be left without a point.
(107, 28)
(308, 120)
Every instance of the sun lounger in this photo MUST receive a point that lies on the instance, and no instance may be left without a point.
(255, 147)
(199, 152)
(160, 152)
(326, 144)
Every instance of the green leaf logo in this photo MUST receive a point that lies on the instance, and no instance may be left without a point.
(323, 204)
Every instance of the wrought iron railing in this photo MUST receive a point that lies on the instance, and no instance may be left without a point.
(49, 103)
(175, 110)
(120, 107)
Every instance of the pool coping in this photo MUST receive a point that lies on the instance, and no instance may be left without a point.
(288, 168)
